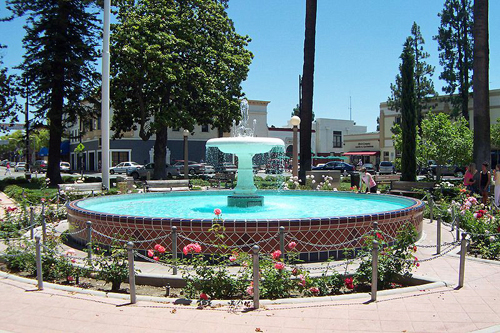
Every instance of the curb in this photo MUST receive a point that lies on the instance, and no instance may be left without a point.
(432, 285)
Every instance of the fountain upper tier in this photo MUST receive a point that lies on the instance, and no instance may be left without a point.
(245, 145)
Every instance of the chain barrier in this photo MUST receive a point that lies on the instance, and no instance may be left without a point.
(184, 268)
(331, 245)
(456, 244)
(229, 247)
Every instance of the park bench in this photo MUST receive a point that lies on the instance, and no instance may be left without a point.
(167, 185)
(386, 179)
(81, 188)
(226, 178)
(408, 187)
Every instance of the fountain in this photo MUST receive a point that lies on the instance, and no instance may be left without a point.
(245, 145)
(322, 223)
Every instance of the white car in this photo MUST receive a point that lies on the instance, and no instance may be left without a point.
(123, 167)
(21, 166)
(64, 166)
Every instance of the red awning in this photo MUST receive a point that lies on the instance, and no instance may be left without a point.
(361, 153)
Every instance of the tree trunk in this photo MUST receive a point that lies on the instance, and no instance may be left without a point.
(160, 154)
(482, 144)
(307, 89)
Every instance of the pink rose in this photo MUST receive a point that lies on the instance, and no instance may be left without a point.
(70, 278)
(151, 253)
(156, 258)
(161, 249)
(279, 266)
(157, 246)
(232, 258)
(292, 245)
(314, 290)
(204, 296)
(276, 254)
(217, 211)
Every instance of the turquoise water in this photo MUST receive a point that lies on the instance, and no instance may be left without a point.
(277, 205)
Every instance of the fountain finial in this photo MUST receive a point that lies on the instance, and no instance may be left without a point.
(242, 128)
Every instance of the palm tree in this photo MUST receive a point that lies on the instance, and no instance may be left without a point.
(307, 89)
(482, 144)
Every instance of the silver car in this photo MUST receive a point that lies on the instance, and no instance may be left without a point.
(123, 167)
(386, 167)
(142, 172)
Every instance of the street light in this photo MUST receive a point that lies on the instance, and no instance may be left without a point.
(295, 121)
(185, 134)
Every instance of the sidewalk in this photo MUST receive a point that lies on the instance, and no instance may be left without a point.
(476, 306)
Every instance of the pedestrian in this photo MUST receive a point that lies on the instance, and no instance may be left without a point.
(473, 180)
(484, 182)
(367, 178)
(496, 178)
(360, 164)
(7, 170)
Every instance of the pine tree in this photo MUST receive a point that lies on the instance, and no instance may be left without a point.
(455, 43)
(408, 114)
(60, 43)
(8, 92)
(423, 72)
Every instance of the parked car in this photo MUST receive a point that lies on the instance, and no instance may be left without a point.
(21, 166)
(40, 166)
(344, 168)
(142, 172)
(123, 166)
(369, 168)
(275, 165)
(64, 166)
(194, 168)
(386, 167)
(446, 170)
(228, 167)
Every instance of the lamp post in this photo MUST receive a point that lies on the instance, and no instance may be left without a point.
(186, 171)
(295, 121)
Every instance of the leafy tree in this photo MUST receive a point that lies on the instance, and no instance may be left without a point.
(455, 42)
(175, 64)
(408, 113)
(482, 144)
(16, 140)
(422, 73)
(495, 134)
(60, 43)
(296, 112)
(307, 89)
(442, 140)
(8, 104)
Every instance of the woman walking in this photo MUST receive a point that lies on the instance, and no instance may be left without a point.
(471, 179)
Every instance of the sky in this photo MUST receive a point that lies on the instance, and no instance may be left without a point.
(358, 45)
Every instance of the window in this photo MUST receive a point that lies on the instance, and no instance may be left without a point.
(337, 139)
(99, 123)
(204, 128)
(119, 156)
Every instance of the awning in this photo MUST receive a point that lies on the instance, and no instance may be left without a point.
(361, 153)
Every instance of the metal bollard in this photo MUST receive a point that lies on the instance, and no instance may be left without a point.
(431, 208)
(374, 227)
(256, 277)
(131, 272)
(57, 203)
(463, 250)
(457, 227)
(374, 270)
(89, 239)
(39, 273)
(438, 236)
(32, 222)
(282, 242)
(44, 225)
(174, 250)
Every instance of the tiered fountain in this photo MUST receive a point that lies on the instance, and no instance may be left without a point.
(244, 144)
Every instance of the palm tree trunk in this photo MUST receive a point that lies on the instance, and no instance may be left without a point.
(482, 144)
(307, 89)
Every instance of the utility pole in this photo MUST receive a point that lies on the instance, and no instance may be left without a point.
(27, 129)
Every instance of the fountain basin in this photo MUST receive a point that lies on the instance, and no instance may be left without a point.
(318, 237)
(245, 145)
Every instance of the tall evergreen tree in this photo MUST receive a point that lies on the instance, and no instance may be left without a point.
(60, 43)
(307, 89)
(423, 72)
(175, 63)
(8, 92)
(482, 143)
(408, 114)
(455, 43)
